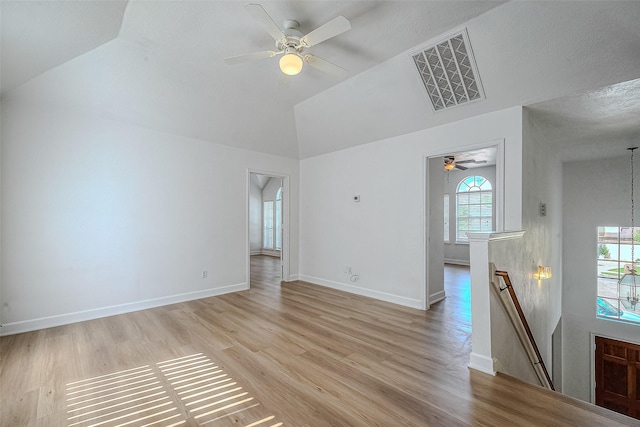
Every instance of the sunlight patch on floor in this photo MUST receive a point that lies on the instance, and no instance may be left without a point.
(165, 394)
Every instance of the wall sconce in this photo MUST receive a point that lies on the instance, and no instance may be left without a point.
(544, 272)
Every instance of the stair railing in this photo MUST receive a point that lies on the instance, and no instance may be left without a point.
(520, 324)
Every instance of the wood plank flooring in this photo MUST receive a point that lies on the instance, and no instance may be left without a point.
(291, 354)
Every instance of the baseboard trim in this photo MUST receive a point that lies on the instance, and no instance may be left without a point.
(293, 277)
(437, 297)
(96, 313)
(383, 296)
(457, 261)
(482, 363)
(258, 252)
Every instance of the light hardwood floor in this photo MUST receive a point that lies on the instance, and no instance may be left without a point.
(291, 353)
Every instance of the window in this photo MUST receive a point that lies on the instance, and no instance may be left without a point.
(474, 206)
(618, 291)
(446, 218)
(267, 223)
(272, 223)
(278, 223)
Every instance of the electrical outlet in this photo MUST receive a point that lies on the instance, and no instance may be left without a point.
(205, 273)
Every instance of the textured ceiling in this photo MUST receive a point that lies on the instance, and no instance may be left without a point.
(595, 124)
(483, 157)
(526, 52)
(159, 64)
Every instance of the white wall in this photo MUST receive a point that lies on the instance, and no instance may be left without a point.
(255, 216)
(383, 236)
(542, 175)
(1, 211)
(540, 300)
(595, 193)
(102, 217)
(506, 347)
(454, 252)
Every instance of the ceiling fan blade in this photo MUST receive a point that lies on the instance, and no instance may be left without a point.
(462, 168)
(332, 28)
(250, 57)
(472, 161)
(324, 65)
(261, 15)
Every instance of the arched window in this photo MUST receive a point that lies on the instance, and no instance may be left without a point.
(474, 206)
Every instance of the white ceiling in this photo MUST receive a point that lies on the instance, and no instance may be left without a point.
(37, 35)
(526, 52)
(483, 156)
(164, 69)
(260, 180)
(159, 64)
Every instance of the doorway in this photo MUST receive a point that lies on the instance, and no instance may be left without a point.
(445, 238)
(267, 224)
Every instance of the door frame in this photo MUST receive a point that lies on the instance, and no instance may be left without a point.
(285, 251)
(499, 197)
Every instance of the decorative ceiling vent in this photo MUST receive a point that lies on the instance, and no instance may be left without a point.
(448, 71)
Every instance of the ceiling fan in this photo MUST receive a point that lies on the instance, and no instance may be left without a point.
(450, 163)
(290, 43)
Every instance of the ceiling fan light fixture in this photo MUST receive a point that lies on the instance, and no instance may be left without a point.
(290, 43)
(291, 63)
(449, 166)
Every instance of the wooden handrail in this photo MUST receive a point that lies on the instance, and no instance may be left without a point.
(538, 363)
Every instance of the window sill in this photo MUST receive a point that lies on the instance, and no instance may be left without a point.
(617, 319)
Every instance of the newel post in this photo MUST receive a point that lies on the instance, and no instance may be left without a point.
(479, 260)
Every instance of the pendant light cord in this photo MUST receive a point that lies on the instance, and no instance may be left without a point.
(633, 257)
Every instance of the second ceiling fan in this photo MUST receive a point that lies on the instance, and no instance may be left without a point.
(291, 43)
(450, 163)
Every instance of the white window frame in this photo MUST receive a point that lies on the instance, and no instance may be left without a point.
(277, 220)
(267, 224)
(272, 223)
(482, 189)
(611, 295)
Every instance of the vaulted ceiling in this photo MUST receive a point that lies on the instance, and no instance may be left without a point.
(159, 64)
